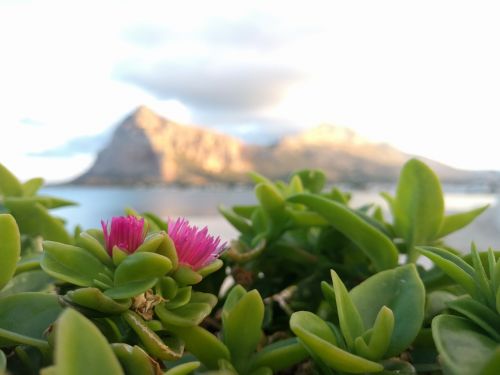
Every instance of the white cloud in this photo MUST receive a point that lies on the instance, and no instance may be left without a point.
(421, 75)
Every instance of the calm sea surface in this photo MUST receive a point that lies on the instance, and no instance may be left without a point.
(200, 206)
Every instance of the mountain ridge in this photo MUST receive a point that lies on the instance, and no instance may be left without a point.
(149, 149)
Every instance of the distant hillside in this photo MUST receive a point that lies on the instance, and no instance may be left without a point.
(149, 149)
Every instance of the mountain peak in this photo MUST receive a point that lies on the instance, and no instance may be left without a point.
(144, 117)
(326, 135)
(147, 148)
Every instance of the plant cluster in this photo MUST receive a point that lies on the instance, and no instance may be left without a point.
(312, 285)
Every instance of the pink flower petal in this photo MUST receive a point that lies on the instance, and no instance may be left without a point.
(195, 247)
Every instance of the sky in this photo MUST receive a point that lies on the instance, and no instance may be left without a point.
(422, 76)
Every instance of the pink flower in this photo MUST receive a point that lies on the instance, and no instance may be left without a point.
(127, 232)
(195, 247)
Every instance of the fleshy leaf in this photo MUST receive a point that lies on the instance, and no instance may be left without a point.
(71, 263)
(135, 360)
(82, 349)
(317, 336)
(182, 297)
(479, 314)
(10, 248)
(454, 222)
(453, 266)
(31, 186)
(34, 219)
(280, 355)
(376, 246)
(242, 327)
(463, 349)
(187, 315)
(240, 223)
(312, 179)
(400, 290)
(92, 245)
(130, 289)
(9, 184)
(153, 344)
(350, 321)
(93, 298)
(141, 266)
(419, 204)
(202, 344)
(36, 311)
(183, 369)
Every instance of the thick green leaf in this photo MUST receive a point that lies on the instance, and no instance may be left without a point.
(191, 314)
(240, 223)
(200, 297)
(32, 281)
(3, 363)
(46, 201)
(159, 222)
(182, 297)
(418, 205)
(280, 355)
(376, 246)
(245, 211)
(312, 179)
(141, 266)
(236, 293)
(202, 344)
(436, 303)
(71, 263)
(242, 327)
(454, 222)
(400, 290)
(210, 268)
(185, 275)
(295, 186)
(168, 287)
(463, 349)
(381, 333)
(350, 321)
(183, 369)
(135, 360)
(153, 344)
(131, 289)
(36, 311)
(9, 184)
(395, 366)
(10, 248)
(87, 241)
(151, 243)
(34, 219)
(317, 336)
(82, 349)
(93, 298)
(306, 218)
(484, 317)
(271, 200)
(31, 186)
(453, 266)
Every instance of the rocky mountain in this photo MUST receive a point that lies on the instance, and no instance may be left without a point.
(149, 149)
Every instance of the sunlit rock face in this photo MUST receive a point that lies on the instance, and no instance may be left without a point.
(147, 148)
(340, 152)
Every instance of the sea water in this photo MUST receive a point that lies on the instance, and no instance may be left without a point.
(199, 205)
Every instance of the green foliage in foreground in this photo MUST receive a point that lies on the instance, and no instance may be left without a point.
(321, 288)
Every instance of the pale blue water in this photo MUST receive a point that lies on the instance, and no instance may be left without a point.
(199, 205)
(96, 203)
